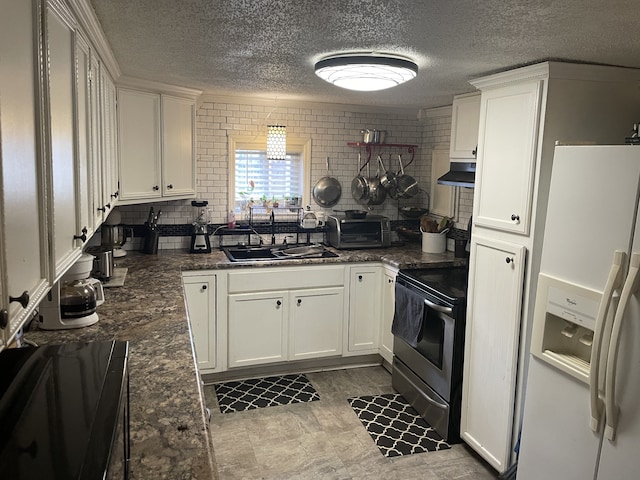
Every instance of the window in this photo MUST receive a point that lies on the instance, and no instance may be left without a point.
(254, 178)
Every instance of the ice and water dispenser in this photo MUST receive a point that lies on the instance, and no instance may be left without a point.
(564, 323)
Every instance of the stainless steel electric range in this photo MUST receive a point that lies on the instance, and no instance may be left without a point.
(429, 373)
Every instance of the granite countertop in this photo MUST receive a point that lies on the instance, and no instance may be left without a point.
(169, 430)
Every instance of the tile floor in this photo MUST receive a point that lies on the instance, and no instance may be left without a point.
(325, 440)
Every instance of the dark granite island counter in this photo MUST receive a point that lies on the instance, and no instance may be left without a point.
(169, 430)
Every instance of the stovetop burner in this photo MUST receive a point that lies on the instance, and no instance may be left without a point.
(450, 284)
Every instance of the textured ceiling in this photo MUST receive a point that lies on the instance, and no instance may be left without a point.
(267, 48)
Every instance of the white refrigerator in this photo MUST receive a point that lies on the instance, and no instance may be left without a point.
(582, 404)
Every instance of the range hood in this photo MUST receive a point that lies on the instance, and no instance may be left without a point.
(461, 174)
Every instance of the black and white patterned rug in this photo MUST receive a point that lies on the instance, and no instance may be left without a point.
(396, 428)
(264, 392)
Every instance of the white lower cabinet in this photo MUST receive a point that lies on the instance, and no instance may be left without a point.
(315, 323)
(247, 317)
(257, 329)
(364, 309)
(388, 310)
(496, 276)
(267, 327)
(200, 295)
(284, 313)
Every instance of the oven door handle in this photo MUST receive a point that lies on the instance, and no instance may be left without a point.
(436, 307)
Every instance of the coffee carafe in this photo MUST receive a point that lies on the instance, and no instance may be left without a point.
(72, 301)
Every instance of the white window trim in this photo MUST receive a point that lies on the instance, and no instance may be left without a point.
(294, 144)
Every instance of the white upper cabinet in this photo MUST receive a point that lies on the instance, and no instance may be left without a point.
(84, 171)
(178, 147)
(156, 146)
(507, 157)
(23, 230)
(465, 115)
(139, 148)
(61, 136)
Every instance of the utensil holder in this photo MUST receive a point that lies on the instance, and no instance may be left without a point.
(434, 242)
(150, 242)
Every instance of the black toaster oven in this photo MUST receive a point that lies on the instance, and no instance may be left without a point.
(373, 231)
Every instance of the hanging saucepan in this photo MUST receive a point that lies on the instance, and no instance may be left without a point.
(377, 193)
(388, 178)
(359, 185)
(353, 214)
(327, 191)
(407, 186)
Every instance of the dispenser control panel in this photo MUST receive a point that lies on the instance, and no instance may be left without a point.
(572, 307)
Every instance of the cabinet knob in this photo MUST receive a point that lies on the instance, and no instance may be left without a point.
(390, 280)
(170, 186)
(82, 237)
(299, 301)
(204, 287)
(4, 318)
(278, 303)
(515, 218)
(108, 205)
(360, 278)
(22, 299)
(101, 209)
(115, 194)
(510, 260)
(156, 188)
(474, 152)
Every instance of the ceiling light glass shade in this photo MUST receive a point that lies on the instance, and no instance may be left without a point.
(276, 142)
(366, 73)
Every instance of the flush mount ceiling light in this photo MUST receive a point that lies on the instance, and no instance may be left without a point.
(366, 72)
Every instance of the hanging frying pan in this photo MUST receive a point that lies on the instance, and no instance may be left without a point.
(327, 191)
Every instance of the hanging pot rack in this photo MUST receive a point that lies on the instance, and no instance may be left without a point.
(379, 148)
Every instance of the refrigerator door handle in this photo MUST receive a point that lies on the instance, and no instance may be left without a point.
(613, 282)
(612, 410)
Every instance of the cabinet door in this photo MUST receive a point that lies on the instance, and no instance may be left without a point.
(364, 308)
(83, 137)
(98, 206)
(178, 147)
(200, 294)
(24, 226)
(465, 117)
(139, 143)
(388, 310)
(60, 78)
(109, 142)
(315, 325)
(496, 276)
(509, 118)
(257, 328)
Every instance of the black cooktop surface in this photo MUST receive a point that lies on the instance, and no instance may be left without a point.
(449, 284)
(54, 403)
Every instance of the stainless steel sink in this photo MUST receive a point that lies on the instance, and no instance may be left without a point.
(270, 253)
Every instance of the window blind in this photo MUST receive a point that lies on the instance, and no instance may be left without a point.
(272, 179)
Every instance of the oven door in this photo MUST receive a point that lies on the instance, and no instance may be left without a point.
(432, 360)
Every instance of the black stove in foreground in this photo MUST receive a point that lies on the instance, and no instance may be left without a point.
(428, 327)
(64, 411)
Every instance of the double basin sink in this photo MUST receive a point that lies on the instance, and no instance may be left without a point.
(271, 253)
